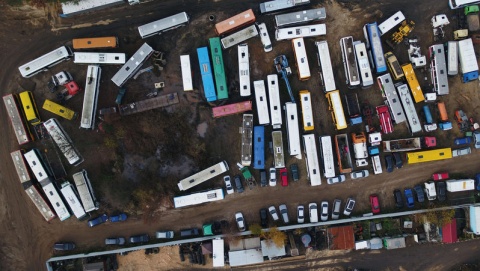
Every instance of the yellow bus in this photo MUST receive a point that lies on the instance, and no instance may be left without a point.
(59, 110)
(29, 108)
(430, 155)
(336, 108)
(93, 43)
(307, 113)
(413, 83)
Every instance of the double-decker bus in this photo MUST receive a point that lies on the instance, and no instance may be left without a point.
(278, 154)
(349, 62)
(438, 68)
(239, 37)
(259, 147)
(132, 65)
(413, 83)
(304, 31)
(63, 142)
(95, 43)
(45, 62)
(186, 73)
(231, 24)
(327, 156)
(293, 133)
(385, 119)
(374, 44)
(430, 155)
(90, 97)
(311, 160)
(261, 101)
(231, 109)
(412, 118)
(198, 198)
(99, 58)
(85, 191)
(336, 108)
(29, 108)
(203, 176)
(391, 22)
(244, 70)
(363, 65)
(162, 25)
(247, 131)
(22, 133)
(301, 58)
(390, 95)
(218, 68)
(300, 17)
(307, 113)
(59, 110)
(71, 198)
(207, 76)
(279, 5)
(325, 64)
(274, 97)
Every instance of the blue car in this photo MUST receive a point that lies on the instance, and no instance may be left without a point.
(477, 181)
(462, 140)
(409, 197)
(98, 220)
(118, 218)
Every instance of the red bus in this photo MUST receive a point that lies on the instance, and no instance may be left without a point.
(243, 19)
(231, 109)
(385, 119)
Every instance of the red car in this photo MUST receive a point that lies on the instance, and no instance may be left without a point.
(375, 204)
(440, 176)
(284, 176)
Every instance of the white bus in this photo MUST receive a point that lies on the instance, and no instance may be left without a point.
(63, 142)
(327, 156)
(162, 25)
(293, 134)
(132, 65)
(85, 191)
(307, 112)
(35, 161)
(247, 139)
(244, 70)
(300, 32)
(300, 17)
(274, 97)
(44, 62)
(438, 68)
(454, 4)
(186, 72)
(99, 58)
(90, 97)
(363, 64)
(452, 57)
(311, 160)
(409, 106)
(262, 105)
(55, 199)
(72, 200)
(278, 5)
(325, 64)
(390, 95)
(278, 154)
(349, 62)
(239, 36)
(198, 198)
(203, 176)
(391, 22)
(301, 58)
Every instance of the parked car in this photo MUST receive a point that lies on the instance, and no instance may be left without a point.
(164, 234)
(313, 212)
(375, 204)
(398, 159)
(263, 178)
(337, 179)
(142, 238)
(397, 195)
(462, 140)
(337, 205)
(228, 184)
(294, 170)
(273, 176)
(419, 191)
(284, 176)
(441, 191)
(461, 151)
(324, 211)
(98, 220)
(300, 214)
(189, 232)
(409, 197)
(476, 139)
(64, 246)
(264, 217)
(477, 181)
(273, 212)
(359, 174)
(430, 191)
(440, 176)
(115, 241)
(389, 162)
(238, 183)
(118, 218)
(240, 221)
(349, 206)
(284, 213)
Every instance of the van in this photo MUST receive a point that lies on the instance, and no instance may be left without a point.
(430, 191)
(337, 204)
(264, 37)
(442, 111)
(394, 66)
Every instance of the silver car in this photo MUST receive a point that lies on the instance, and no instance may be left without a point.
(284, 213)
(337, 179)
(324, 211)
(273, 212)
(359, 174)
(461, 151)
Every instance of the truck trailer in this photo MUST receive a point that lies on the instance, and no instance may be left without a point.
(409, 144)
(468, 60)
(343, 153)
(460, 185)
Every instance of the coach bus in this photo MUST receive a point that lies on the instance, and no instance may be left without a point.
(85, 191)
(349, 62)
(94, 43)
(45, 62)
(374, 44)
(259, 147)
(22, 133)
(326, 154)
(71, 198)
(274, 97)
(300, 53)
(206, 72)
(63, 142)
(304, 31)
(261, 102)
(430, 155)
(363, 65)
(438, 68)
(300, 17)
(99, 58)
(391, 22)
(203, 176)
(247, 131)
(311, 160)
(307, 113)
(293, 133)
(244, 70)
(162, 25)
(90, 97)
(132, 65)
(186, 73)
(413, 121)
(29, 108)
(198, 198)
(336, 108)
(231, 24)
(413, 83)
(325, 64)
(218, 68)
(59, 110)
(389, 93)
(239, 37)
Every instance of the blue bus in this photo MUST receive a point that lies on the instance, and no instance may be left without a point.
(259, 147)
(428, 114)
(207, 76)
(374, 44)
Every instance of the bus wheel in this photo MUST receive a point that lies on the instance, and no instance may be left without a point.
(211, 18)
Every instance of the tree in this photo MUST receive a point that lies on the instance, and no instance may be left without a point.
(440, 218)
(256, 229)
(275, 236)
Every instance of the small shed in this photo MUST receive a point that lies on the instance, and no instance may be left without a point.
(270, 250)
(449, 232)
(245, 257)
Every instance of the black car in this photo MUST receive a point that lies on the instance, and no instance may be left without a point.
(64, 246)
(398, 160)
(419, 192)
(441, 191)
(143, 238)
(389, 162)
(264, 218)
(189, 232)
(263, 178)
(294, 170)
(397, 194)
(238, 183)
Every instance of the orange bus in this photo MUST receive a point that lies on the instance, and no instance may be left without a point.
(93, 43)
(243, 19)
(442, 111)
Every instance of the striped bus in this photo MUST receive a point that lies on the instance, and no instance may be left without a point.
(311, 160)
(186, 73)
(336, 108)
(349, 62)
(203, 176)
(231, 109)
(229, 25)
(274, 97)
(259, 147)
(307, 113)
(325, 64)
(327, 156)
(99, 58)
(218, 68)
(363, 65)
(430, 155)
(63, 142)
(90, 98)
(59, 110)
(22, 133)
(247, 132)
(261, 102)
(244, 70)
(163, 25)
(413, 83)
(293, 134)
(95, 43)
(301, 59)
(45, 62)
(206, 72)
(438, 67)
(29, 108)
(374, 44)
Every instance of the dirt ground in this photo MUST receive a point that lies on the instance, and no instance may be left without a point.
(152, 151)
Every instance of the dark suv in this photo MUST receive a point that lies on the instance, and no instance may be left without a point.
(294, 170)
(398, 160)
(64, 246)
(389, 162)
(143, 238)
(441, 191)
(419, 191)
(263, 178)
(397, 194)
(189, 232)
(264, 217)
(238, 183)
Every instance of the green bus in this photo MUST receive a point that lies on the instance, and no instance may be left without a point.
(218, 68)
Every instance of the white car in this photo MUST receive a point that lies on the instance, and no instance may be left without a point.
(284, 212)
(313, 212)
(228, 184)
(240, 221)
(359, 174)
(324, 212)
(273, 213)
(337, 179)
(300, 214)
(273, 176)
(349, 206)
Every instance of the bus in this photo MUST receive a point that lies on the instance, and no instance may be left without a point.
(35, 161)
(452, 57)
(349, 62)
(247, 131)
(238, 21)
(363, 65)
(163, 25)
(385, 119)
(132, 65)
(239, 36)
(244, 70)
(438, 69)
(325, 64)
(390, 95)
(454, 4)
(274, 97)
(300, 17)
(198, 198)
(203, 176)
(307, 112)
(59, 110)
(45, 62)
(336, 108)
(63, 141)
(29, 108)
(90, 97)
(412, 118)
(374, 44)
(413, 83)
(327, 156)
(186, 73)
(391, 22)
(301, 58)
(430, 155)
(261, 101)
(278, 155)
(85, 191)
(311, 160)
(72, 200)
(231, 109)
(94, 43)
(218, 68)
(206, 72)
(22, 133)
(293, 134)
(300, 32)
(279, 5)
(99, 58)
(55, 200)
(259, 147)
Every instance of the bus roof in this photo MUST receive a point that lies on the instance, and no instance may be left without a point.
(92, 43)
(235, 22)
